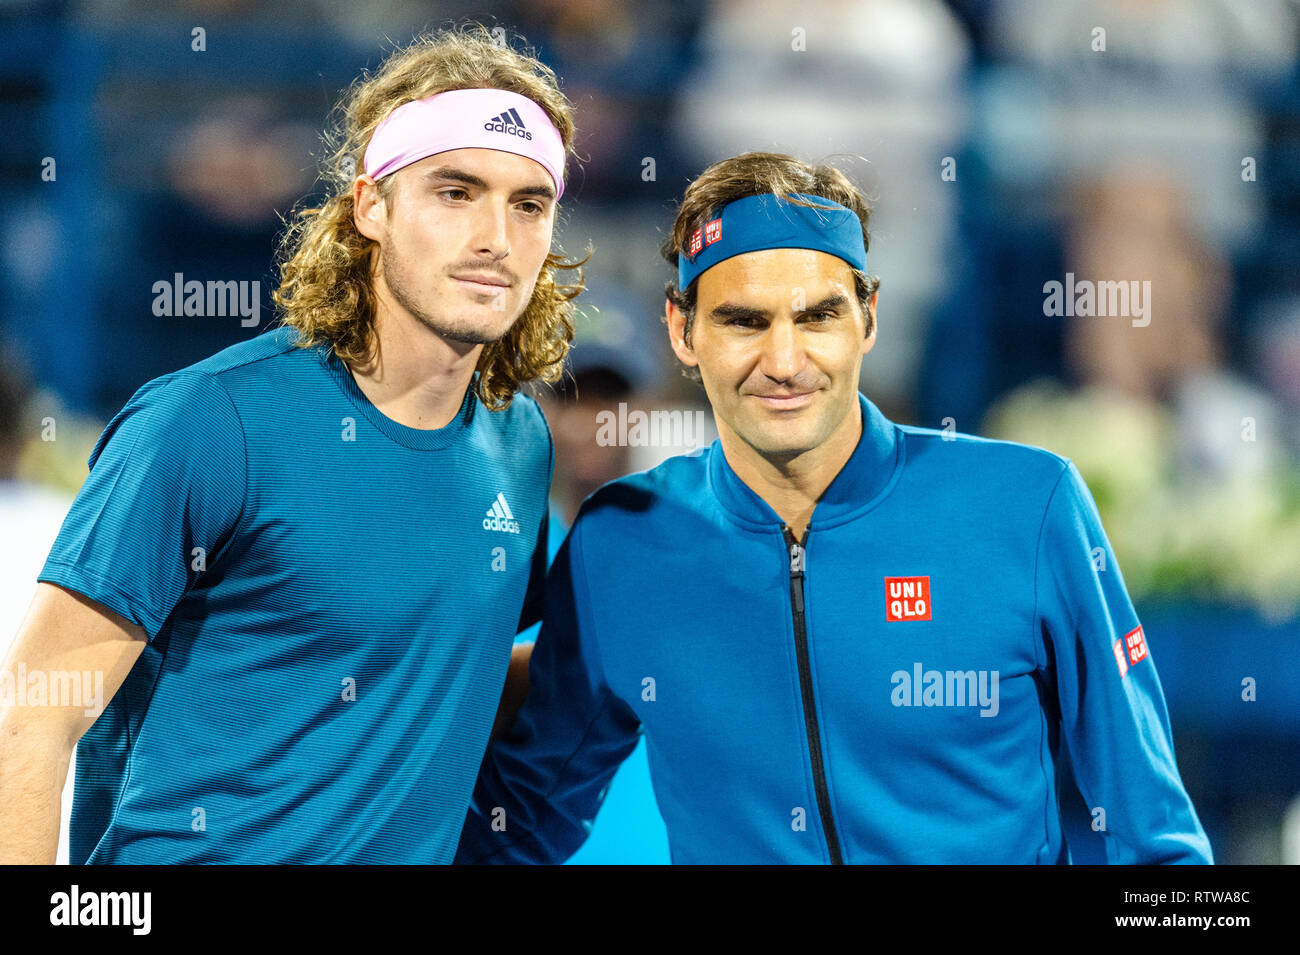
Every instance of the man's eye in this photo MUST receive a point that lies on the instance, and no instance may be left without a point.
(532, 208)
(744, 322)
(820, 316)
(455, 193)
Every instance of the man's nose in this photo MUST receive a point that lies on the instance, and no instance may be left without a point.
(782, 351)
(491, 239)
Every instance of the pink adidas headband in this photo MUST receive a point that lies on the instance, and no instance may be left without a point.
(466, 119)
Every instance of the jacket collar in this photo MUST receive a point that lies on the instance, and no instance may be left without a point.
(865, 478)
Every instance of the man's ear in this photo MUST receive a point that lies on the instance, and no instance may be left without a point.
(369, 212)
(870, 340)
(676, 320)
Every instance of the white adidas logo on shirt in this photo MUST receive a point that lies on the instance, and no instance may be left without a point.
(500, 517)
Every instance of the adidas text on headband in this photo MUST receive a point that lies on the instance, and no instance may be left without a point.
(466, 119)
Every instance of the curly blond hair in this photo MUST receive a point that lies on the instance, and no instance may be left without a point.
(326, 289)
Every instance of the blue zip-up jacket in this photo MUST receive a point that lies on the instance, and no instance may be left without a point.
(898, 689)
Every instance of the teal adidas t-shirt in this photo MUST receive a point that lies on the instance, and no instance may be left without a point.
(330, 599)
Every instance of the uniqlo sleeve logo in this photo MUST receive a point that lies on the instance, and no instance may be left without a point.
(907, 598)
(697, 243)
(1136, 645)
(1118, 649)
(712, 231)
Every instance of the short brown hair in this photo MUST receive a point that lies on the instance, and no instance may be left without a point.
(325, 263)
(752, 174)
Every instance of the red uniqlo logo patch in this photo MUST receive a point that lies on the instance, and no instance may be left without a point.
(1137, 645)
(697, 243)
(1118, 649)
(712, 231)
(907, 598)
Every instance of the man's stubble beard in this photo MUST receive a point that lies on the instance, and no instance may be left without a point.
(779, 449)
(395, 278)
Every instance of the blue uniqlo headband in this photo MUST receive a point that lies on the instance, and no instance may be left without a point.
(767, 221)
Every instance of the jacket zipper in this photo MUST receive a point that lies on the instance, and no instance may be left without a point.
(796, 549)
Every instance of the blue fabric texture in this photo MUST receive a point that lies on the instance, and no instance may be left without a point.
(935, 714)
(329, 596)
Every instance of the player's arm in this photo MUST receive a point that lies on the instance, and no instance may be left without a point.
(541, 785)
(63, 632)
(164, 494)
(516, 689)
(1113, 716)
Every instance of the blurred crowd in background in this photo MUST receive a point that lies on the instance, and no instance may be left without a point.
(1005, 144)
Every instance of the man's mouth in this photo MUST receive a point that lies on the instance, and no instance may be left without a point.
(482, 284)
(785, 399)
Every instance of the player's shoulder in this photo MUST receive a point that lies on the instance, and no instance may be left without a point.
(522, 420)
(278, 343)
(212, 376)
(976, 460)
(662, 497)
(195, 405)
